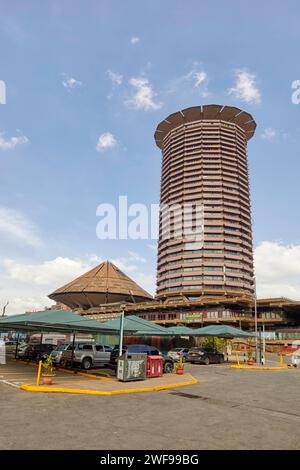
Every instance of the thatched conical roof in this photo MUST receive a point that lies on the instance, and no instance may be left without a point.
(103, 284)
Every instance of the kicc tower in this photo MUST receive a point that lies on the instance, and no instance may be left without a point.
(204, 162)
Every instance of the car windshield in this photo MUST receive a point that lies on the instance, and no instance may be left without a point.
(62, 347)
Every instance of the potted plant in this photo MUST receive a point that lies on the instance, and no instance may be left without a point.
(250, 356)
(179, 366)
(48, 371)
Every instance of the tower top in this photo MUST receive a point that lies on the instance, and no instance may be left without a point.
(210, 112)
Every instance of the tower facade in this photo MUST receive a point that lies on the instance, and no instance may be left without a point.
(204, 162)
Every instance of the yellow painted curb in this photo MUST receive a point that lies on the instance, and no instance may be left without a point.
(236, 366)
(41, 388)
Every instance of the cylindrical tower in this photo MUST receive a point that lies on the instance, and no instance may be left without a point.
(204, 161)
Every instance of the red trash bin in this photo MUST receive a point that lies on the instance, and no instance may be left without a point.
(155, 366)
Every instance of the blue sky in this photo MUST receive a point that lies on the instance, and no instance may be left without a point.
(75, 71)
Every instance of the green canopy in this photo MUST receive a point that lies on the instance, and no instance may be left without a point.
(223, 331)
(137, 326)
(54, 320)
(180, 331)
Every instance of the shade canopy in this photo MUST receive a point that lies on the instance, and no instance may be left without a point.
(223, 331)
(63, 321)
(137, 326)
(180, 331)
(103, 284)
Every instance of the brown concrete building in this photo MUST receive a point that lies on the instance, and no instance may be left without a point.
(204, 162)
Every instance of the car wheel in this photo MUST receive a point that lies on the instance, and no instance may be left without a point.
(206, 361)
(86, 363)
(192, 362)
(168, 368)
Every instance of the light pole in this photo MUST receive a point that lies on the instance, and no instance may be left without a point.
(255, 319)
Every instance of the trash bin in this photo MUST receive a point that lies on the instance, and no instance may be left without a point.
(296, 360)
(155, 366)
(131, 366)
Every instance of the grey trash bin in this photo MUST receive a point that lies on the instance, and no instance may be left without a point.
(131, 366)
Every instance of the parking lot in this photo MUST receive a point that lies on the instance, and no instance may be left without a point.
(227, 409)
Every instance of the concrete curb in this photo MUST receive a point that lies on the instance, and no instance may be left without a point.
(41, 388)
(236, 366)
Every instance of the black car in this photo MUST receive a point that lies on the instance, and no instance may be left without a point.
(38, 351)
(205, 356)
(142, 349)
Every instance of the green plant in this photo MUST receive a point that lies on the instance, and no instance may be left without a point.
(47, 365)
(214, 342)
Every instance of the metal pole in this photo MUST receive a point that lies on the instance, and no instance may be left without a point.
(16, 351)
(121, 333)
(73, 346)
(255, 320)
(260, 348)
(264, 346)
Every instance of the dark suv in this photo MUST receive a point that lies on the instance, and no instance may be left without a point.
(142, 349)
(38, 351)
(204, 356)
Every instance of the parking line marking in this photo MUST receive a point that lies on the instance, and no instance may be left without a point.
(10, 383)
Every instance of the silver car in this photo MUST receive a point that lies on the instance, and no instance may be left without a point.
(86, 355)
(56, 354)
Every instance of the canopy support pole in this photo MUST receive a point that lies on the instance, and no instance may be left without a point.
(121, 333)
(16, 350)
(73, 346)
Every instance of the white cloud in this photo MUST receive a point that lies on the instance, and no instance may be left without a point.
(245, 88)
(70, 82)
(268, 134)
(106, 141)
(144, 95)
(10, 144)
(195, 80)
(57, 271)
(14, 224)
(134, 40)
(200, 78)
(136, 256)
(277, 268)
(115, 77)
(27, 285)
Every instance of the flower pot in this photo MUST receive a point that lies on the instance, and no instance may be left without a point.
(180, 371)
(47, 379)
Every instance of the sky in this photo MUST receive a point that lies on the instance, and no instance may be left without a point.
(83, 86)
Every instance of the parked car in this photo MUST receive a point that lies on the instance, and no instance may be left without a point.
(21, 349)
(56, 354)
(10, 346)
(86, 355)
(205, 356)
(142, 349)
(176, 353)
(38, 351)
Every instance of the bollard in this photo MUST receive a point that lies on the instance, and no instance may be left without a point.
(237, 359)
(38, 377)
(281, 360)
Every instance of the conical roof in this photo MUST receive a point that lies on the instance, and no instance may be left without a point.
(103, 284)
